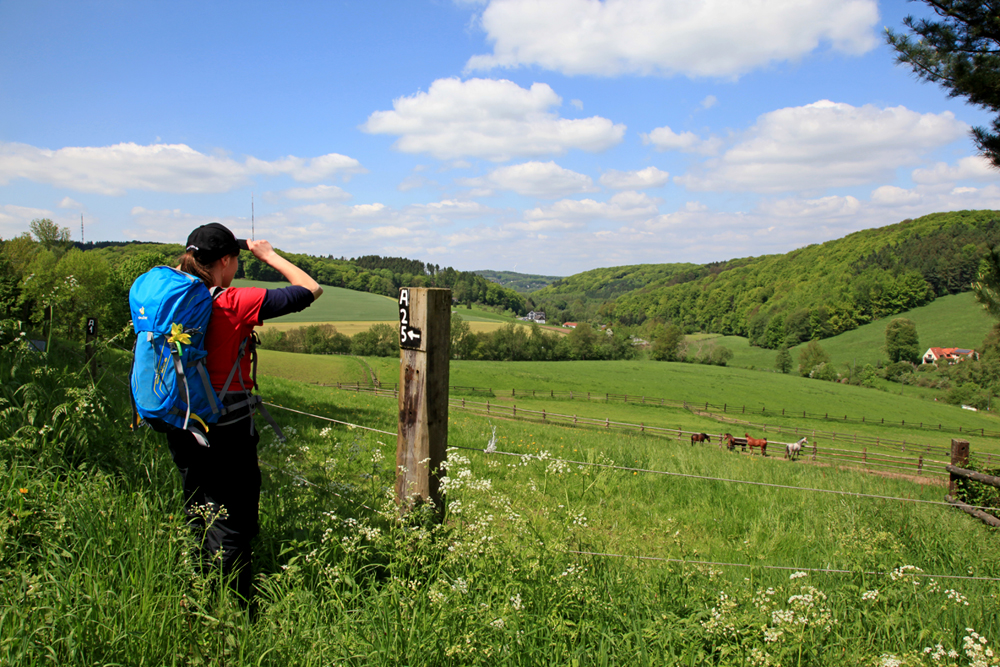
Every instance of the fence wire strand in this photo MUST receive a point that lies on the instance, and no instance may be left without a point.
(329, 419)
(854, 494)
(673, 474)
(782, 567)
(723, 479)
(302, 480)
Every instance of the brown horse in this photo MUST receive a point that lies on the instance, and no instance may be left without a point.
(700, 437)
(755, 442)
(730, 442)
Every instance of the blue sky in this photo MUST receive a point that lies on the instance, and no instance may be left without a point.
(542, 137)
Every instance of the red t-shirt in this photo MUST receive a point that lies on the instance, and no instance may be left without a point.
(235, 313)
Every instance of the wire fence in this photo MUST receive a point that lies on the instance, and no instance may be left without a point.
(699, 563)
(875, 457)
(724, 413)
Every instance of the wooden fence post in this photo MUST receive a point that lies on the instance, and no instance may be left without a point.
(422, 443)
(959, 458)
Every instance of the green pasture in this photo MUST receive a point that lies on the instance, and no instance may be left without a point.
(949, 321)
(337, 304)
(756, 397)
(312, 368)
(632, 513)
(535, 561)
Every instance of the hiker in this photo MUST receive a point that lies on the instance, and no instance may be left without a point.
(222, 481)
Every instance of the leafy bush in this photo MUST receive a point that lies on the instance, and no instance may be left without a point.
(898, 371)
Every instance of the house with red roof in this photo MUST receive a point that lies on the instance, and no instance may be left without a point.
(949, 355)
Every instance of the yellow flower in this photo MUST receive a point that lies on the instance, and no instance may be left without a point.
(22, 490)
(177, 335)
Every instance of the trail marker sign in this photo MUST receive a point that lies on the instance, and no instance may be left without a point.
(422, 440)
(409, 336)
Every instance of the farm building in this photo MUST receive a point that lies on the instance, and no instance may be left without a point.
(951, 355)
(537, 316)
(569, 325)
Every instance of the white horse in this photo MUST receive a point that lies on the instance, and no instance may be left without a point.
(793, 449)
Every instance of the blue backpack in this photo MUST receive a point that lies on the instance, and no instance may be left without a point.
(170, 385)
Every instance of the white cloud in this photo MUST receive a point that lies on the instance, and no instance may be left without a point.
(665, 139)
(317, 192)
(14, 220)
(66, 202)
(177, 168)
(825, 145)
(650, 177)
(826, 207)
(173, 225)
(717, 38)
(449, 208)
(307, 170)
(974, 168)
(709, 102)
(624, 205)
(490, 119)
(890, 195)
(532, 179)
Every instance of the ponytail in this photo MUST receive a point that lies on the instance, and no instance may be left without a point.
(188, 264)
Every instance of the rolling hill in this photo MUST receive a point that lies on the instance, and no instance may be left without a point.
(814, 292)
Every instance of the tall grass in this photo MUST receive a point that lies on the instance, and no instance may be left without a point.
(95, 565)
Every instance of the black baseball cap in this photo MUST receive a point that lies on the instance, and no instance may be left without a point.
(214, 241)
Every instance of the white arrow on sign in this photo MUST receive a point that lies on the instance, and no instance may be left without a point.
(412, 334)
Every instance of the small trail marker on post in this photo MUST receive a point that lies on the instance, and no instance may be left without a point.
(424, 353)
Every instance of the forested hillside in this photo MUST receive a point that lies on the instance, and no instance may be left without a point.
(813, 292)
(519, 282)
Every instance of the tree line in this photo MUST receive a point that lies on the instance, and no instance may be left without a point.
(510, 342)
(775, 301)
(56, 285)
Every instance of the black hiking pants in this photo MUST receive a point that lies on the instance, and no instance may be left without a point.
(222, 492)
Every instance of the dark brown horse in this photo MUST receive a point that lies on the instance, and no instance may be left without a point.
(730, 442)
(700, 437)
(755, 442)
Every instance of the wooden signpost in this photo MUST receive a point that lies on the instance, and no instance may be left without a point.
(424, 342)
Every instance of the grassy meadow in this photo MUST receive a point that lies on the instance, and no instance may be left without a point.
(565, 546)
(561, 545)
(336, 305)
(949, 321)
(763, 395)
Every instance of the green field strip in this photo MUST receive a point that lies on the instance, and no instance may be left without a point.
(335, 305)
(681, 382)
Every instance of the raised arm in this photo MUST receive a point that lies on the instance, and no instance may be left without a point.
(263, 251)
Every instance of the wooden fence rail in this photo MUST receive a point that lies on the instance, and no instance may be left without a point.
(959, 458)
(974, 476)
(874, 461)
(724, 408)
(928, 452)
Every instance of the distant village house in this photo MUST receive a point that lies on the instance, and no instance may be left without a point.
(949, 355)
(536, 316)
